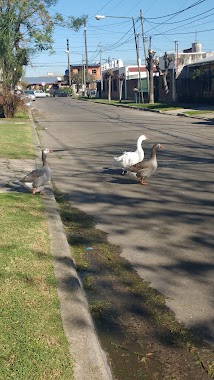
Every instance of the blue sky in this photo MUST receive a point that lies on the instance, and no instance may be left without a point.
(165, 21)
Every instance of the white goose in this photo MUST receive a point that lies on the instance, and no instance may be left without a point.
(128, 159)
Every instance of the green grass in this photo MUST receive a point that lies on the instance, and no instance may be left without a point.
(32, 341)
(16, 139)
(154, 106)
(198, 112)
(21, 115)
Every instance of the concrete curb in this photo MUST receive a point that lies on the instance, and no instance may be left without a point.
(90, 361)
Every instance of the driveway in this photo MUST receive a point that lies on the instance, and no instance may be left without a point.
(165, 229)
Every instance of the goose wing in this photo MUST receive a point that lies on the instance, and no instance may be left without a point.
(35, 174)
(139, 166)
(128, 159)
(147, 170)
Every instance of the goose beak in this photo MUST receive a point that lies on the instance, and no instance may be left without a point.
(161, 147)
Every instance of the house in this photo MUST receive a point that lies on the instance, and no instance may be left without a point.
(180, 74)
(130, 83)
(87, 79)
(135, 78)
(196, 82)
(43, 82)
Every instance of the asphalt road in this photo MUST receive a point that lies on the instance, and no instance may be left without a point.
(165, 229)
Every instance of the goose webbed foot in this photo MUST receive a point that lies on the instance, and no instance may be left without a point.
(143, 182)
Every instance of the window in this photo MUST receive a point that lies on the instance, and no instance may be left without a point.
(94, 71)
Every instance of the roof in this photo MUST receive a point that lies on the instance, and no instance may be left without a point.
(46, 80)
(209, 59)
(89, 65)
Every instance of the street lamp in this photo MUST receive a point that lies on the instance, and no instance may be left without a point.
(101, 75)
(100, 17)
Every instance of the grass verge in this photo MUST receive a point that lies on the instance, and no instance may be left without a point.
(16, 139)
(141, 335)
(199, 112)
(33, 345)
(125, 103)
(155, 106)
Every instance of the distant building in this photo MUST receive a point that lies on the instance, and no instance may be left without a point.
(43, 81)
(87, 79)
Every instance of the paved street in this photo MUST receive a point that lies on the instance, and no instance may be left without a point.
(165, 229)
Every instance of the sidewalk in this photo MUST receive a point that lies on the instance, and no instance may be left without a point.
(207, 116)
(90, 359)
(183, 112)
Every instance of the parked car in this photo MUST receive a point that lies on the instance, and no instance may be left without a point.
(41, 94)
(29, 94)
(60, 93)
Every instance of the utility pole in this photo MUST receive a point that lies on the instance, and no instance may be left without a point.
(174, 73)
(150, 65)
(69, 68)
(101, 74)
(176, 43)
(138, 62)
(86, 50)
(143, 35)
(144, 47)
(83, 75)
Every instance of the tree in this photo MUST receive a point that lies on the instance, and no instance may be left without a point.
(121, 80)
(26, 27)
(78, 78)
(164, 73)
(109, 76)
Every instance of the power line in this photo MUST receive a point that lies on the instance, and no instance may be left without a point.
(174, 15)
(179, 12)
(187, 26)
(199, 31)
(189, 18)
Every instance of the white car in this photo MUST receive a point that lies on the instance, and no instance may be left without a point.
(41, 94)
(29, 94)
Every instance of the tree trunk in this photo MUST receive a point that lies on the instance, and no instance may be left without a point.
(165, 81)
(109, 88)
(9, 103)
(120, 89)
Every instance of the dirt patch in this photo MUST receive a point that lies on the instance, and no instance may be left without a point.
(141, 336)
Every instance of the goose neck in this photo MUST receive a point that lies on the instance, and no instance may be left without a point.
(153, 152)
(44, 159)
(139, 144)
